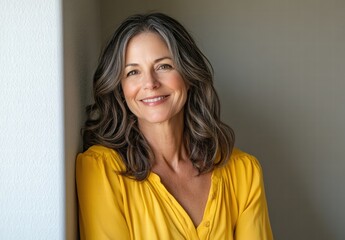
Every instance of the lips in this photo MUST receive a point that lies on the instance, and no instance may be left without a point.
(154, 99)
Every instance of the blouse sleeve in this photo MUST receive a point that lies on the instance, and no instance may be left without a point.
(253, 220)
(99, 196)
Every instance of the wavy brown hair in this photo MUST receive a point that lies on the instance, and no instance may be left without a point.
(110, 123)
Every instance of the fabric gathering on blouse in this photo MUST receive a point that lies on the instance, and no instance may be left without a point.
(112, 206)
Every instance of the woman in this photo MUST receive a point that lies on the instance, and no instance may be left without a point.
(158, 161)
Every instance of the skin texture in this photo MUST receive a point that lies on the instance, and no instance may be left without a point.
(156, 93)
(150, 73)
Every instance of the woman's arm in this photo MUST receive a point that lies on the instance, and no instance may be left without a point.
(99, 197)
(253, 221)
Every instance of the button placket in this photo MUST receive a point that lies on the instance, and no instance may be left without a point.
(207, 224)
(214, 195)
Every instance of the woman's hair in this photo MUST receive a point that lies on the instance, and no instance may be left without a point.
(209, 142)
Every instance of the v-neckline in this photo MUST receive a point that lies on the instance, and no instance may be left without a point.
(211, 195)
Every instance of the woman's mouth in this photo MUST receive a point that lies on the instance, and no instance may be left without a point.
(154, 99)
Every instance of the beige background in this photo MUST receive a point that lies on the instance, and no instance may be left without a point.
(280, 73)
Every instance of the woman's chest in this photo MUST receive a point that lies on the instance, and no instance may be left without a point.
(154, 212)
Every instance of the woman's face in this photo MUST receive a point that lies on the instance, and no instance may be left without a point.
(153, 88)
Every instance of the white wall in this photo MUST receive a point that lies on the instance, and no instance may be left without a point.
(49, 51)
(280, 74)
(31, 120)
(81, 30)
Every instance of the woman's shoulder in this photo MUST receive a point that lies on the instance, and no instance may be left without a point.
(103, 156)
(239, 157)
(242, 165)
(97, 150)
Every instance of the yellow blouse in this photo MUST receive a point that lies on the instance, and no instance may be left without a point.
(112, 206)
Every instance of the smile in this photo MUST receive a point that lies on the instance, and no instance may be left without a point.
(153, 100)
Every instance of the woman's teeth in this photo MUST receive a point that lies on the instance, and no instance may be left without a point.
(151, 100)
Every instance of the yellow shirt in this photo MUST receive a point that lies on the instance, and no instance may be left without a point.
(112, 206)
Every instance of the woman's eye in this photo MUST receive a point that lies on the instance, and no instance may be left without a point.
(130, 73)
(164, 67)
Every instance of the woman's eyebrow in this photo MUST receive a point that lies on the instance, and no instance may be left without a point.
(155, 61)
(161, 59)
(131, 65)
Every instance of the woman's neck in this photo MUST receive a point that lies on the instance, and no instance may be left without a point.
(166, 140)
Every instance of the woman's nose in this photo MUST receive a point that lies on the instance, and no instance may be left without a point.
(150, 81)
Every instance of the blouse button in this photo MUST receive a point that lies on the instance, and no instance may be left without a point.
(207, 224)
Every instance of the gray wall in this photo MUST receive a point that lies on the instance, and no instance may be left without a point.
(81, 31)
(280, 74)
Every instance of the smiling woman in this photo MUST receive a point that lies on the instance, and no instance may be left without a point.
(158, 162)
(154, 90)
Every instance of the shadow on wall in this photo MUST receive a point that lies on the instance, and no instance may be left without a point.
(81, 50)
(293, 212)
